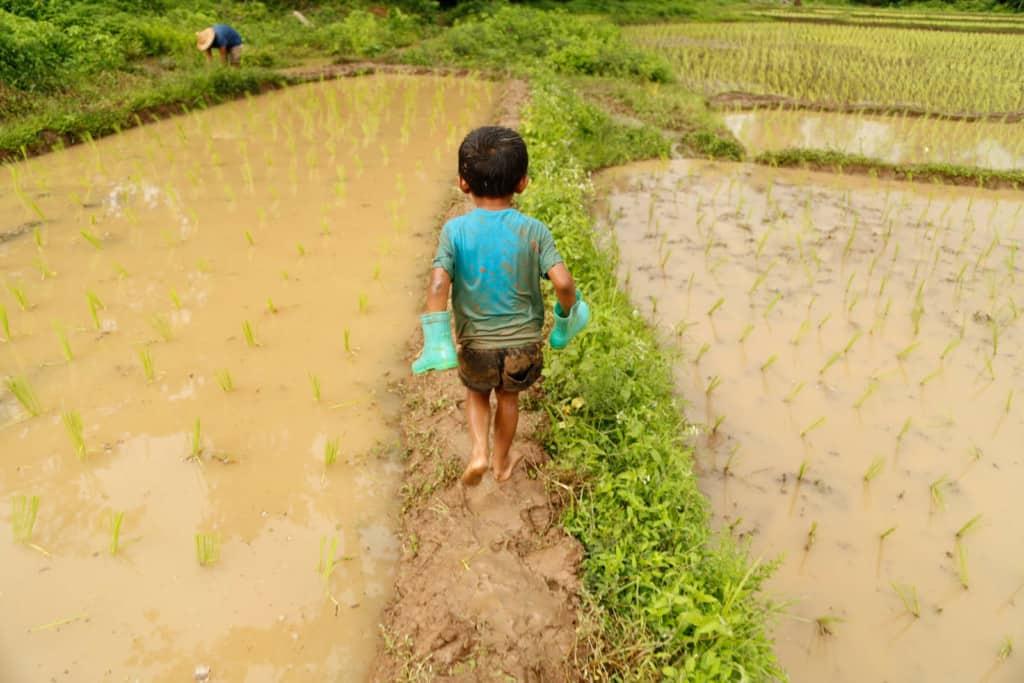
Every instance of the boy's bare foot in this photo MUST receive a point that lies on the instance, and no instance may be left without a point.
(505, 473)
(474, 473)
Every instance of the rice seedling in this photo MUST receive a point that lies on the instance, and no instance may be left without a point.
(830, 362)
(5, 324)
(348, 340)
(116, 519)
(271, 308)
(908, 596)
(95, 306)
(907, 350)
(1009, 402)
(1006, 648)
(746, 332)
(224, 380)
(92, 239)
(65, 345)
(175, 299)
(161, 326)
(364, 303)
(24, 510)
(250, 336)
(811, 427)
(874, 469)
(207, 549)
(812, 536)
(328, 563)
(935, 492)
(768, 363)
(300, 249)
(712, 385)
(961, 564)
(885, 534)
(824, 320)
(904, 430)
(851, 342)
(20, 389)
(802, 472)
(330, 452)
(314, 383)
(760, 278)
(718, 423)
(73, 424)
(197, 441)
(249, 239)
(930, 376)
(704, 348)
(968, 526)
(146, 360)
(949, 348)
(771, 304)
(824, 624)
(796, 392)
(18, 292)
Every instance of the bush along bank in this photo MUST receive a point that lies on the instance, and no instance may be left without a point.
(671, 601)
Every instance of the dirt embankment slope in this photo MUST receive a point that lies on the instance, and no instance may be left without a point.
(487, 585)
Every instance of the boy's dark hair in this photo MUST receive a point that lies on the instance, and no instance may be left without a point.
(492, 161)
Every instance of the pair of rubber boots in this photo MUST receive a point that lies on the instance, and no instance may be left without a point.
(439, 350)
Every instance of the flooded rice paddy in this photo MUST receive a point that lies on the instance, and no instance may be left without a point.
(896, 139)
(854, 360)
(207, 311)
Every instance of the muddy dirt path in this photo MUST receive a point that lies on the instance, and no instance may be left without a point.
(487, 582)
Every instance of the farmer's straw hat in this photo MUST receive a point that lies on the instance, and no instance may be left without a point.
(204, 39)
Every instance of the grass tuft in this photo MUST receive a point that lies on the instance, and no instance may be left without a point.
(24, 510)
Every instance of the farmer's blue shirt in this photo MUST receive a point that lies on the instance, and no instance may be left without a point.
(496, 260)
(225, 36)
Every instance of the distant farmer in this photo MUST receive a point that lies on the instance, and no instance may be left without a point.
(492, 260)
(225, 39)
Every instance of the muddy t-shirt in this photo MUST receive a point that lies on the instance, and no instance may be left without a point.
(496, 260)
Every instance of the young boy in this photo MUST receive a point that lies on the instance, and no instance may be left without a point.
(491, 260)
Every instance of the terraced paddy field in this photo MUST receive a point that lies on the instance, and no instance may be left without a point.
(200, 323)
(852, 362)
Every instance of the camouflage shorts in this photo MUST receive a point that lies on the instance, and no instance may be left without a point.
(513, 369)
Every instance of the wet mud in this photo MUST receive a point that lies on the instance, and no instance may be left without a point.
(852, 358)
(211, 312)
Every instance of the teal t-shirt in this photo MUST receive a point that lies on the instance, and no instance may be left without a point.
(496, 260)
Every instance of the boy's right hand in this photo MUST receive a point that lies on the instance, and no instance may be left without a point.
(568, 325)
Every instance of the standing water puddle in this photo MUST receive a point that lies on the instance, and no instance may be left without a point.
(264, 258)
(859, 346)
(900, 140)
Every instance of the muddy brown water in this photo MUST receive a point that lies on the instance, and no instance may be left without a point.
(900, 140)
(338, 185)
(770, 281)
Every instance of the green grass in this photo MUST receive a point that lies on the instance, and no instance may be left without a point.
(638, 513)
(841, 162)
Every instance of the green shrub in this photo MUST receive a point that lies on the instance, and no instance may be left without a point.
(33, 54)
(518, 39)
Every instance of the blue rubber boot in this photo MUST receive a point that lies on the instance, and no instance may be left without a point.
(438, 348)
(568, 326)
